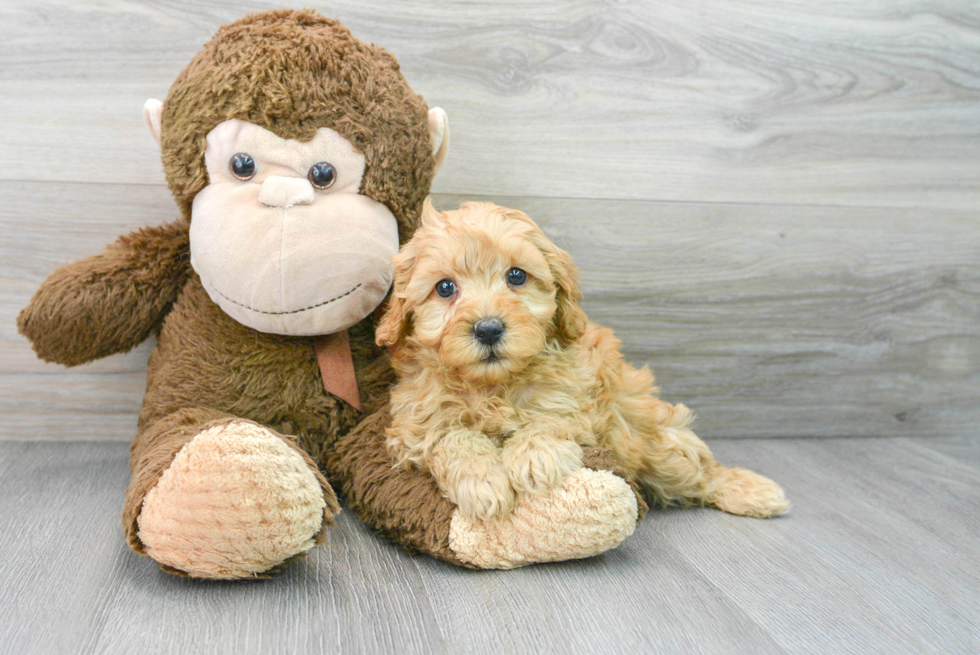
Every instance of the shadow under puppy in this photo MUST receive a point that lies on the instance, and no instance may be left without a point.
(503, 379)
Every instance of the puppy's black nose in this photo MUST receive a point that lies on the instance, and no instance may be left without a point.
(488, 331)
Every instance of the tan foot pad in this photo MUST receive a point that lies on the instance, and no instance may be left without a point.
(589, 513)
(236, 501)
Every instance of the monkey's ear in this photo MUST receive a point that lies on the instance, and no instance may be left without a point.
(152, 113)
(439, 135)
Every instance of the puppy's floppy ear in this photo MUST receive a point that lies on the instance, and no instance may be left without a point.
(393, 326)
(430, 216)
(569, 321)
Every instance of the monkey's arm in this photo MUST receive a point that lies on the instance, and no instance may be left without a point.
(110, 302)
(593, 510)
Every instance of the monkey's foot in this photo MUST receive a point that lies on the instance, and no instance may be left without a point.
(588, 513)
(235, 502)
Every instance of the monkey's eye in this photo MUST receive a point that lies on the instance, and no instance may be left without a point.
(445, 288)
(322, 175)
(516, 277)
(242, 166)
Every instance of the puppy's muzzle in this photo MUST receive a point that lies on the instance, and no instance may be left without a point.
(488, 331)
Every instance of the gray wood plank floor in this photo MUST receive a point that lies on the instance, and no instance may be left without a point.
(878, 555)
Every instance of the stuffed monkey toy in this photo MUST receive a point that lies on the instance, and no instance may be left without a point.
(299, 159)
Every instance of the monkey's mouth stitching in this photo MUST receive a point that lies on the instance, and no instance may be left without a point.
(293, 311)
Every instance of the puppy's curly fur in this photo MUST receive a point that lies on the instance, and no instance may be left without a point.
(501, 411)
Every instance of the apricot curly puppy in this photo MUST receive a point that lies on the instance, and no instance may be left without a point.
(502, 378)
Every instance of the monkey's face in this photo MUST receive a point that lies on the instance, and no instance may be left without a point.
(281, 237)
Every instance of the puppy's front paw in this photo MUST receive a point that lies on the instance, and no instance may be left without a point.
(483, 495)
(537, 468)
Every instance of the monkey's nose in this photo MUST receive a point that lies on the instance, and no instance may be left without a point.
(286, 192)
(488, 330)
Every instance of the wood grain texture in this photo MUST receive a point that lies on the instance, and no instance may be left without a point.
(791, 102)
(766, 320)
(876, 556)
(787, 321)
(791, 312)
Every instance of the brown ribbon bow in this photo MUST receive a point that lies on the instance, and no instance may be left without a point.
(337, 367)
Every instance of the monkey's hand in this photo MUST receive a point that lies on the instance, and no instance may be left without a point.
(109, 302)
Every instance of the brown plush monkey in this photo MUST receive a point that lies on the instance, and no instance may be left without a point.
(300, 159)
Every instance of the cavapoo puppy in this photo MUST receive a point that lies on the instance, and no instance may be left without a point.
(503, 379)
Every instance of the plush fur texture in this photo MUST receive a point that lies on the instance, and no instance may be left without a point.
(320, 76)
(531, 534)
(243, 482)
(589, 517)
(155, 449)
(110, 302)
(291, 72)
(572, 522)
(494, 421)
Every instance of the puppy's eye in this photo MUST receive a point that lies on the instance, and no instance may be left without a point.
(445, 288)
(242, 166)
(322, 175)
(516, 277)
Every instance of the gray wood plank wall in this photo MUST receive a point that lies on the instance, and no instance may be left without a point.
(774, 203)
